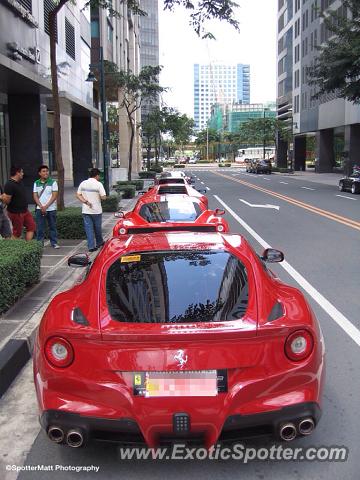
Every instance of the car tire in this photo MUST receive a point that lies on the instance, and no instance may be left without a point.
(341, 187)
(354, 189)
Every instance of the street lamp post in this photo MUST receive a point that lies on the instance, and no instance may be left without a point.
(264, 133)
(91, 78)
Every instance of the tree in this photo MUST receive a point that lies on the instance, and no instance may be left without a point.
(113, 125)
(201, 12)
(180, 127)
(153, 125)
(263, 131)
(337, 67)
(134, 90)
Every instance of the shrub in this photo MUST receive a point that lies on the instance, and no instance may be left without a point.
(138, 184)
(147, 174)
(179, 165)
(168, 164)
(156, 168)
(111, 204)
(206, 161)
(224, 164)
(70, 224)
(19, 269)
(127, 191)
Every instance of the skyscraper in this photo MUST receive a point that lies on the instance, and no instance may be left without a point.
(218, 83)
(149, 40)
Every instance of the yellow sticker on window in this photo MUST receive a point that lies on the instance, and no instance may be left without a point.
(137, 380)
(130, 258)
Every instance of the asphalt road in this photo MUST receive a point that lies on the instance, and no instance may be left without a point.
(322, 251)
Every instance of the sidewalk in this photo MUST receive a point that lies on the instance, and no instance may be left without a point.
(311, 176)
(18, 325)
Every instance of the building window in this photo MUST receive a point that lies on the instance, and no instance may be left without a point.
(95, 29)
(69, 39)
(27, 4)
(49, 5)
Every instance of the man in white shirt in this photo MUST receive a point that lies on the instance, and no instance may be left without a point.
(90, 193)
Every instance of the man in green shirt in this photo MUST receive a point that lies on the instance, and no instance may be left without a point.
(45, 193)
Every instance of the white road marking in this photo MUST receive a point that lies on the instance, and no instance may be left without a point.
(343, 196)
(268, 179)
(276, 207)
(307, 188)
(208, 189)
(285, 183)
(202, 183)
(328, 307)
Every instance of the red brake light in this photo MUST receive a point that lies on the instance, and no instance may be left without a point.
(122, 231)
(220, 228)
(299, 345)
(59, 352)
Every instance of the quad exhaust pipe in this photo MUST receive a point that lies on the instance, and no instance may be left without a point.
(56, 434)
(306, 426)
(74, 438)
(287, 432)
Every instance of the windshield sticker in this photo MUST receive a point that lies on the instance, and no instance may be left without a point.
(130, 258)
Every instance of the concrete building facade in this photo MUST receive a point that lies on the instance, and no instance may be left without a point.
(333, 123)
(26, 112)
(218, 83)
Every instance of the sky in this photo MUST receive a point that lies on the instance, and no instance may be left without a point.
(180, 48)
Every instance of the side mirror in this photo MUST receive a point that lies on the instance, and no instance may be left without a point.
(119, 214)
(202, 191)
(79, 260)
(272, 255)
(218, 212)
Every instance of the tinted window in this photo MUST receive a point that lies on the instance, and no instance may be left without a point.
(177, 287)
(170, 211)
(164, 181)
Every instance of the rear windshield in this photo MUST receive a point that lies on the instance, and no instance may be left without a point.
(176, 189)
(177, 287)
(170, 211)
(164, 181)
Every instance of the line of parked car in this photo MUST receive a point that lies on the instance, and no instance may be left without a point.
(177, 331)
(258, 165)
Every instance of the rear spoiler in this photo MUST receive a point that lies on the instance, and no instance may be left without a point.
(187, 228)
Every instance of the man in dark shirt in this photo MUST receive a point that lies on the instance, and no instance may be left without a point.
(15, 198)
(5, 225)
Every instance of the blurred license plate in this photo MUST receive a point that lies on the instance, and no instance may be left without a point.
(180, 384)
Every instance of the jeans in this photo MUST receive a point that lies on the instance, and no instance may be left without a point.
(92, 224)
(50, 217)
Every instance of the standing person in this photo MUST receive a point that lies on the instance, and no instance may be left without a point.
(45, 193)
(5, 225)
(14, 197)
(90, 193)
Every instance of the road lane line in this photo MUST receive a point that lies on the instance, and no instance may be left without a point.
(208, 189)
(343, 196)
(285, 183)
(311, 208)
(202, 183)
(307, 188)
(327, 306)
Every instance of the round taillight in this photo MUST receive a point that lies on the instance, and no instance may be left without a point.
(299, 345)
(220, 228)
(59, 352)
(122, 231)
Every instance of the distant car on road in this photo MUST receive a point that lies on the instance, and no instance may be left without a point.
(259, 166)
(351, 183)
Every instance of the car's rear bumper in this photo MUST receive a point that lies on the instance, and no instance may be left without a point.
(127, 431)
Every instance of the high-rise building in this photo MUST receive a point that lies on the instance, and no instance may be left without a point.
(332, 121)
(149, 40)
(26, 107)
(218, 83)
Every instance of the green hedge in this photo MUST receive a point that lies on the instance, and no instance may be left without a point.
(179, 165)
(70, 224)
(224, 164)
(138, 184)
(111, 204)
(19, 269)
(127, 191)
(147, 174)
(156, 168)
